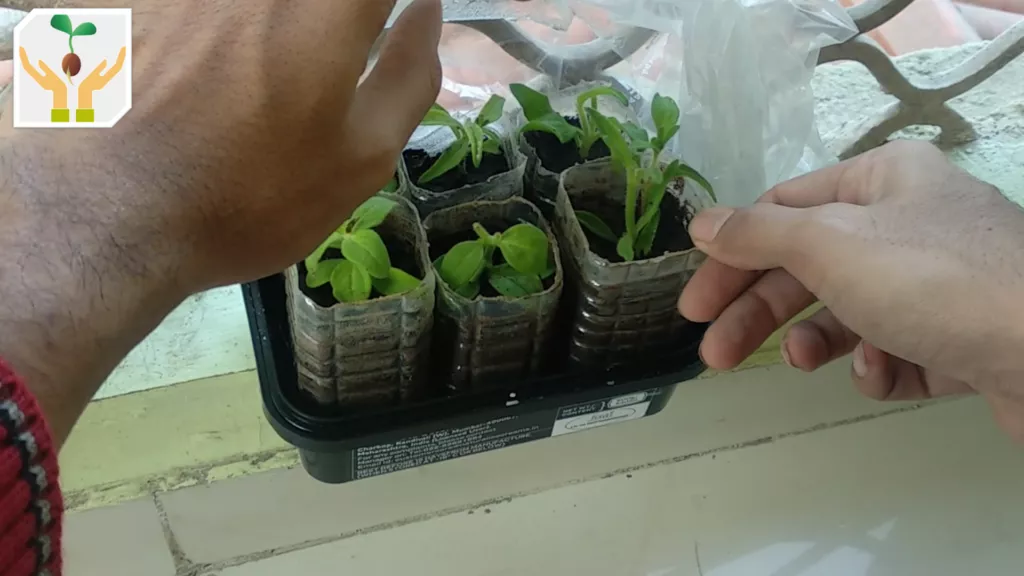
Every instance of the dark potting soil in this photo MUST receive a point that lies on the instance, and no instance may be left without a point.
(418, 162)
(558, 157)
(402, 257)
(442, 244)
(672, 235)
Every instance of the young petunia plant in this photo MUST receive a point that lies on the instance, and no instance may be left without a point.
(473, 138)
(524, 249)
(635, 152)
(71, 64)
(541, 117)
(365, 265)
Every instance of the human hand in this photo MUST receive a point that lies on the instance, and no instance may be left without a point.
(919, 266)
(244, 148)
(47, 80)
(98, 80)
(252, 144)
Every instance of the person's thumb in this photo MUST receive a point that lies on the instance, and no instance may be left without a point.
(758, 237)
(405, 80)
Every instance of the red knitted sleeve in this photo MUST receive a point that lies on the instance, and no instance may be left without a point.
(31, 506)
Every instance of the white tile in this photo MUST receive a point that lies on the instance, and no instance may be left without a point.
(934, 492)
(208, 335)
(221, 521)
(124, 540)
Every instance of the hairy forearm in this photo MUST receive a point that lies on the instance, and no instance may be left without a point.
(76, 293)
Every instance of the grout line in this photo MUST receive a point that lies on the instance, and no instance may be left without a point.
(182, 565)
(696, 556)
(263, 555)
(181, 478)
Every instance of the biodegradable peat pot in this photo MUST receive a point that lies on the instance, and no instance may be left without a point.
(547, 157)
(498, 177)
(624, 311)
(491, 340)
(367, 353)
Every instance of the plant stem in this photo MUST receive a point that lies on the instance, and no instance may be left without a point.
(71, 46)
(488, 255)
(481, 231)
(586, 136)
(631, 192)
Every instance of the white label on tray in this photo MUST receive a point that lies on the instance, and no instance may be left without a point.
(617, 410)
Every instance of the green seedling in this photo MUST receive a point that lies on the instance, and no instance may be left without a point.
(541, 117)
(524, 248)
(365, 265)
(473, 138)
(71, 64)
(392, 186)
(638, 154)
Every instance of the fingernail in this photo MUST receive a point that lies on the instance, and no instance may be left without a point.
(785, 354)
(860, 364)
(705, 226)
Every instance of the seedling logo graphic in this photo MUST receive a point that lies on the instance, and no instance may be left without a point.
(93, 49)
(71, 64)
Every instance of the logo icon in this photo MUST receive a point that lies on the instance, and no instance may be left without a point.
(72, 68)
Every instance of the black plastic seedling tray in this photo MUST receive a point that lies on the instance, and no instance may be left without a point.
(337, 447)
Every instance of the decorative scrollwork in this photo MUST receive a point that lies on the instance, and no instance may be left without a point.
(570, 64)
(925, 102)
(921, 102)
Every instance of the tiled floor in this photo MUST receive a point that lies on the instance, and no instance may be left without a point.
(725, 482)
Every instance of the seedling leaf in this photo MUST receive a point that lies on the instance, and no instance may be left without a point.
(625, 248)
(84, 29)
(475, 134)
(462, 264)
(611, 133)
(548, 272)
(595, 224)
(321, 274)
(365, 248)
(313, 260)
(448, 160)
(398, 281)
(665, 113)
(492, 141)
(525, 248)
(62, 22)
(535, 105)
(601, 91)
(508, 282)
(371, 213)
(471, 290)
(391, 186)
(660, 142)
(689, 172)
(639, 139)
(553, 124)
(438, 116)
(491, 111)
(492, 146)
(350, 282)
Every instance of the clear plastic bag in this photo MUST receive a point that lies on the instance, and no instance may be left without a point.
(739, 69)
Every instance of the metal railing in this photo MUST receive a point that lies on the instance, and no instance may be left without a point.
(922, 102)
